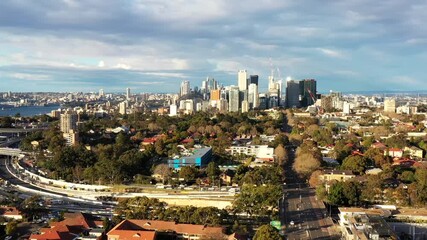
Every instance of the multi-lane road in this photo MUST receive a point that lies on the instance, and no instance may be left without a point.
(305, 217)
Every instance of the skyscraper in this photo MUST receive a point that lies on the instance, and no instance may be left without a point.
(307, 86)
(242, 80)
(212, 84)
(253, 96)
(127, 93)
(68, 122)
(233, 99)
(185, 88)
(292, 94)
(253, 79)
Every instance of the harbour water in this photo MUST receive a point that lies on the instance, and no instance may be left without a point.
(27, 111)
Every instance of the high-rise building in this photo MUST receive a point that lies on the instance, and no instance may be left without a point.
(123, 107)
(128, 94)
(233, 99)
(68, 122)
(253, 79)
(253, 99)
(215, 94)
(185, 88)
(292, 94)
(242, 80)
(389, 105)
(307, 90)
(212, 84)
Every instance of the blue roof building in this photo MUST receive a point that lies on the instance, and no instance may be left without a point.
(199, 157)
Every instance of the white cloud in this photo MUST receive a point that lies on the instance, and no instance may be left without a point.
(31, 77)
(331, 53)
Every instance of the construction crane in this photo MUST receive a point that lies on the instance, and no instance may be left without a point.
(319, 109)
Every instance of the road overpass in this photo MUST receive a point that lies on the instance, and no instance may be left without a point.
(20, 130)
(12, 152)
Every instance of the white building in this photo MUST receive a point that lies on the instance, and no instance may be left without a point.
(233, 99)
(123, 107)
(68, 121)
(242, 79)
(185, 88)
(260, 152)
(128, 94)
(390, 105)
(173, 110)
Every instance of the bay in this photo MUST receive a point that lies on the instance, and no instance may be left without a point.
(27, 111)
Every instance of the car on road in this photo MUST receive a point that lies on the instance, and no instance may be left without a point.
(291, 223)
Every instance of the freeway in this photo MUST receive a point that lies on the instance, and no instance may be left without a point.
(69, 204)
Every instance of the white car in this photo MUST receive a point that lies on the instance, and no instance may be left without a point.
(291, 223)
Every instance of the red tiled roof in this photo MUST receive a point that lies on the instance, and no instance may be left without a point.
(73, 225)
(133, 234)
(395, 150)
(9, 211)
(161, 226)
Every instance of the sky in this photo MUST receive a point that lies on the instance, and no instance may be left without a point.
(153, 45)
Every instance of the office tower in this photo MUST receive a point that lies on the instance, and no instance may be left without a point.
(215, 94)
(308, 91)
(127, 93)
(292, 94)
(173, 110)
(204, 87)
(68, 122)
(389, 105)
(212, 84)
(233, 99)
(253, 99)
(242, 80)
(185, 88)
(123, 107)
(253, 79)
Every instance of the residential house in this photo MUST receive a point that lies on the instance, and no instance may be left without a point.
(154, 229)
(394, 152)
(10, 213)
(337, 175)
(227, 176)
(74, 226)
(414, 152)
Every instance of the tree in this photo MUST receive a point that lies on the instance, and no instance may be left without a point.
(315, 180)
(11, 227)
(336, 194)
(257, 200)
(189, 173)
(164, 171)
(357, 164)
(305, 164)
(281, 154)
(212, 170)
(267, 232)
(376, 156)
(351, 192)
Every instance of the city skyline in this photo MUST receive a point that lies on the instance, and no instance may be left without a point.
(153, 46)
